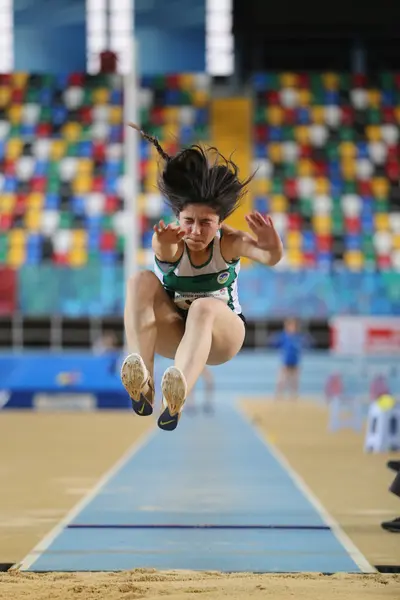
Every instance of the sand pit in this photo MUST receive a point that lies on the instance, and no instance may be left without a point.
(153, 585)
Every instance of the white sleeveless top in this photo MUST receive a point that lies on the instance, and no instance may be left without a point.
(216, 278)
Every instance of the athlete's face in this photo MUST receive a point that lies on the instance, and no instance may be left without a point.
(201, 224)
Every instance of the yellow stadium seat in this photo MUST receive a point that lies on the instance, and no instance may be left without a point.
(200, 98)
(279, 204)
(260, 187)
(293, 240)
(57, 150)
(347, 150)
(77, 257)
(141, 203)
(150, 184)
(374, 98)
(275, 153)
(16, 256)
(79, 238)
(7, 203)
(153, 166)
(322, 186)
(19, 79)
(373, 133)
(186, 81)
(72, 131)
(274, 115)
(14, 148)
(16, 237)
(396, 241)
(380, 187)
(318, 115)
(354, 259)
(322, 224)
(82, 184)
(288, 80)
(5, 96)
(348, 168)
(304, 97)
(15, 114)
(84, 166)
(170, 131)
(331, 81)
(116, 115)
(302, 134)
(381, 222)
(171, 114)
(305, 167)
(100, 96)
(397, 113)
(294, 258)
(35, 200)
(32, 219)
(141, 257)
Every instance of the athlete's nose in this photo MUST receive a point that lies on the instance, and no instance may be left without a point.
(196, 229)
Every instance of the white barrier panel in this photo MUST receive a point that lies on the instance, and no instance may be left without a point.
(383, 426)
(365, 335)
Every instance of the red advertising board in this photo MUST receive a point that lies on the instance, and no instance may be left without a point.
(8, 291)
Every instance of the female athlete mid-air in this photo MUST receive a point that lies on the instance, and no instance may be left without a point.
(188, 309)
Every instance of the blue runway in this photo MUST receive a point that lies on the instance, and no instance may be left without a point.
(209, 496)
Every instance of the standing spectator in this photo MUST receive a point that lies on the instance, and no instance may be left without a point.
(291, 343)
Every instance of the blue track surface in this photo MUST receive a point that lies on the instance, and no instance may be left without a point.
(209, 496)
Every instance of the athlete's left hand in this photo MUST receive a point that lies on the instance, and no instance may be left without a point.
(263, 227)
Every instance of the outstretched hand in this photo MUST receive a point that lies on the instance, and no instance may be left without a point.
(168, 234)
(263, 227)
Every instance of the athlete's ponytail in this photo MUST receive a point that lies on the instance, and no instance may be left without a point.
(153, 140)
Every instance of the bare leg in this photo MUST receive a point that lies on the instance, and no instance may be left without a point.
(281, 383)
(151, 323)
(213, 334)
(151, 320)
(294, 383)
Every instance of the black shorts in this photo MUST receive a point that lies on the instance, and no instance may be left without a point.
(184, 314)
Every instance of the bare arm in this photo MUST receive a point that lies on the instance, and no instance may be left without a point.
(167, 242)
(265, 248)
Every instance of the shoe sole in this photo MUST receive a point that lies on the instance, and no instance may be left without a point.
(134, 377)
(174, 391)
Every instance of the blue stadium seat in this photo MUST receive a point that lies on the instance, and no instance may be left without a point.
(261, 205)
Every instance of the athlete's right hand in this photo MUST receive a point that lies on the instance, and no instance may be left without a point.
(168, 234)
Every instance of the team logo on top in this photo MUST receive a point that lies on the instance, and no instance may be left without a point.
(223, 277)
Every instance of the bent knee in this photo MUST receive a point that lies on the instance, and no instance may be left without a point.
(203, 308)
(143, 281)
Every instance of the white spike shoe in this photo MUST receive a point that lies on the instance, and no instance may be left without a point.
(174, 391)
(137, 382)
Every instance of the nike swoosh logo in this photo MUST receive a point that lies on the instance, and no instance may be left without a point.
(167, 422)
(141, 409)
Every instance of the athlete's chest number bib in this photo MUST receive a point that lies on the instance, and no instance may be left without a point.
(184, 299)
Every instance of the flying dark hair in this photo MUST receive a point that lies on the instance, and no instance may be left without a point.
(199, 175)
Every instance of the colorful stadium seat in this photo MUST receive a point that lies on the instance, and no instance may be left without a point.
(61, 153)
(330, 141)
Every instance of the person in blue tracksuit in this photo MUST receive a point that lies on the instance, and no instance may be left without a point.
(291, 343)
